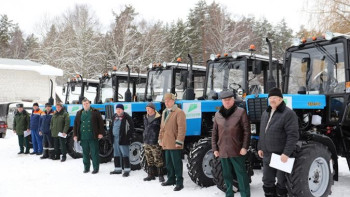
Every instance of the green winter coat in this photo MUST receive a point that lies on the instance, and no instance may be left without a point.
(59, 123)
(21, 122)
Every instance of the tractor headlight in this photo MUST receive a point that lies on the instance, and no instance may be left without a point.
(212, 57)
(328, 35)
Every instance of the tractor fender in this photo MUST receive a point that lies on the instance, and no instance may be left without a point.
(325, 140)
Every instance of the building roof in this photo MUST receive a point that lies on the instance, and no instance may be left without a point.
(20, 64)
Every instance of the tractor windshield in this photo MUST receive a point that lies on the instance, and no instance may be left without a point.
(317, 69)
(159, 83)
(226, 76)
(107, 90)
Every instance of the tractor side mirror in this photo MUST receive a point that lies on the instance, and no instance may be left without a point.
(72, 87)
(64, 89)
(256, 67)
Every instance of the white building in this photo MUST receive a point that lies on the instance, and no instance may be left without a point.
(26, 80)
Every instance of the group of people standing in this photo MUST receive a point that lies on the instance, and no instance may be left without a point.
(44, 128)
(231, 135)
(164, 137)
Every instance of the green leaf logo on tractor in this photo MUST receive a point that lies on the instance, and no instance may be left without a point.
(75, 108)
(126, 107)
(192, 107)
(286, 101)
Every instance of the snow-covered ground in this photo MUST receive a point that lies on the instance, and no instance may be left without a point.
(28, 175)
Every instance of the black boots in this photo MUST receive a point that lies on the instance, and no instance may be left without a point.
(52, 154)
(117, 166)
(270, 191)
(160, 174)
(63, 158)
(126, 164)
(151, 173)
(281, 192)
(45, 154)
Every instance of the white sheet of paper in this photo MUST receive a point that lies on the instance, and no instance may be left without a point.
(279, 165)
(60, 134)
(78, 147)
(26, 133)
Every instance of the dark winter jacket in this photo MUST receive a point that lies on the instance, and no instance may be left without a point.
(34, 119)
(96, 122)
(151, 132)
(59, 123)
(231, 132)
(282, 133)
(126, 130)
(21, 122)
(44, 122)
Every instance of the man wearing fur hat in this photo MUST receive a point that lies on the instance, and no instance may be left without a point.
(171, 138)
(230, 142)
(153, 151)
(278, 134)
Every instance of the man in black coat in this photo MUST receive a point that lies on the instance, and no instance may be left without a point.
(153, 152)
(278, 134)
(120, 133)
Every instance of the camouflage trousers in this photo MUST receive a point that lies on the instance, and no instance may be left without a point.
(154, 155)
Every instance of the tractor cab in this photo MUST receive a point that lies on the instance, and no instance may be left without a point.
(243, 73)
(174, 78)
(77, 88)
(113, 86)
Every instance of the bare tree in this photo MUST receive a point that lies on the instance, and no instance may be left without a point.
(329, 15)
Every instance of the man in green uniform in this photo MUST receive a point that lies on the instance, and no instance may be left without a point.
(60, 124)
(88, 128)
(20, 124)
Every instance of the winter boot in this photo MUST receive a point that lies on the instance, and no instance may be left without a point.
(126, 164)
(52, 154)
(151, 173)
(270, 191)
(281, 192)
(45, 155)
(160, 174)
(57, 157)
(64, 157)
(117, 165)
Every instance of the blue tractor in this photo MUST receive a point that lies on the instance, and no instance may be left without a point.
(242, 73)
(316, 85)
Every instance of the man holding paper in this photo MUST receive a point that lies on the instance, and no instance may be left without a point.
(59, 127)
(278, 134)
(20, 125)
(230, 141)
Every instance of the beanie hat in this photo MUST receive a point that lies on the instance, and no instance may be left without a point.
(275, 92)
(48, 105)
(35, 104)
(20, 105)
(169, 96)
(121, 106)
(151, 105)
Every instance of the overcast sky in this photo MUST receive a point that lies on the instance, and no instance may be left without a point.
(28, 13)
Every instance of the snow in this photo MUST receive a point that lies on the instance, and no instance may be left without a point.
(31, 176)
(14, 64)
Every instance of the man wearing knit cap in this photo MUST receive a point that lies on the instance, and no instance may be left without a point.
(153, 152)
(278, 134)
(171, 138)
(232, 129)
(34, 130)
(120, 133)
